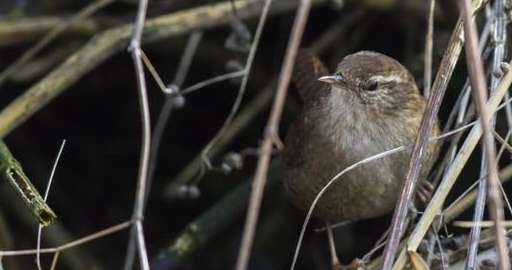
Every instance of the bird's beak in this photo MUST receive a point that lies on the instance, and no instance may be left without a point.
(331, 79)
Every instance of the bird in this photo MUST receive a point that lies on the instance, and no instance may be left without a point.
(370, 104)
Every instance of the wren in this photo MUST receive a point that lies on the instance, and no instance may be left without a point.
(371, 104)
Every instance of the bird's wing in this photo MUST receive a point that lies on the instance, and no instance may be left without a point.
(294, 150)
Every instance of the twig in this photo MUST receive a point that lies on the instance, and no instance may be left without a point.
(429, 117)
(137, 232)
(474, 237)
(461, 113)
(481, 224)
(28, 28)
(456, 208)
(468, 197)
(270, 133)
(427, 69)
(152, 71)
(252, 109)
(451, 175)
(48, 186)
(162, 119)
(241, 91)
(12, 171)
(244, 118)
(55, 32)
(54, 260)
(186, 60)
(216, 79)
(103, 45)
(165, 112)
(479, 88)
(72, 244)
(499, 38)
(54, 235)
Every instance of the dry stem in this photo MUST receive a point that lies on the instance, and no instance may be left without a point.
(270, 134)
(479, 88)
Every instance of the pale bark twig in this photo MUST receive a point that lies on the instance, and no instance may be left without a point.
(479, 89)
(50, 180)
(137, 231)
(427, 69)
(72, 244)
(451, 175)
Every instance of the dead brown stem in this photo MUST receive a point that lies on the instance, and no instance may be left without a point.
(270, 134)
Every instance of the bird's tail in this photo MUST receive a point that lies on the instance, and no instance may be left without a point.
(308, 68)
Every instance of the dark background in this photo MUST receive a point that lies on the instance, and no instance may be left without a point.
(94, 186)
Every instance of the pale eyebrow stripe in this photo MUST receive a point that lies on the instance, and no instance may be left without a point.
(390, 78)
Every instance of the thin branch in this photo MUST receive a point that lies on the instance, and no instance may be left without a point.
(499, 38)
(451, 175)
(72, 244)
(48, 186)
(255, 107)
(427, 69)
(54, 260)
(137, 231)
(172, 93)
(152, 71)
(105, 44)
(216, 79)
(479, 88)
(55, 32)
(186, 60)
(429, 117)
(243, 87)
(270, 133)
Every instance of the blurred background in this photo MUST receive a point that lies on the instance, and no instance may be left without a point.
(98, 115)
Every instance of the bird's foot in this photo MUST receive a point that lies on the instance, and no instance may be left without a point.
(424, 194)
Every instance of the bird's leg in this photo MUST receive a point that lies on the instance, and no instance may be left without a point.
(335, 262)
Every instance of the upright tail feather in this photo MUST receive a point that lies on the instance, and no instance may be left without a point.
(308, 68)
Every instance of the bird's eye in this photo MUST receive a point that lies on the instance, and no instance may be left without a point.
(338, 76)
(369, 85)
